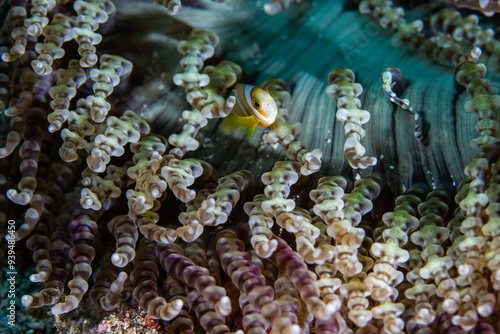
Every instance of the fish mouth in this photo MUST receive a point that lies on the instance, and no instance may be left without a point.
(267, 115)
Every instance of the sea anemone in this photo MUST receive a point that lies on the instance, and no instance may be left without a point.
(369, 205)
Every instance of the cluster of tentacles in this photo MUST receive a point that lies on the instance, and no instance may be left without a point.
(287, 249)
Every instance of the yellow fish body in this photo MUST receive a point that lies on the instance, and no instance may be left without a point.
(254, 106)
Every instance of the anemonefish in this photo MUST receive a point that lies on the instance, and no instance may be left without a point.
(254, 106)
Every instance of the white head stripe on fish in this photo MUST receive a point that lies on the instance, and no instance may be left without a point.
(242, 101)
(248, 100)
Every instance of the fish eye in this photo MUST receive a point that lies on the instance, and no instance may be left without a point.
(256, 104)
